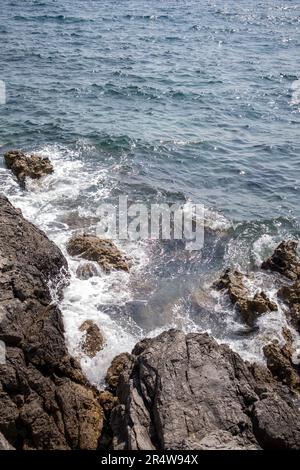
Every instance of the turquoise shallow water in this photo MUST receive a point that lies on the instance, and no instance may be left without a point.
(164, 101)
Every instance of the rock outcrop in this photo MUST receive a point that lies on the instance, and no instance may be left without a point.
(93, 340)
(280, 363)
(250, 308)
(181, 391)
(45, 400)
(285, 260)
(103, 251)
(86, 271)
(31, 166)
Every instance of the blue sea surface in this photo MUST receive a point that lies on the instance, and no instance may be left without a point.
(165, 101)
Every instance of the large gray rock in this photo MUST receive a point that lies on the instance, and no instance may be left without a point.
(181, 391)
(45, 401)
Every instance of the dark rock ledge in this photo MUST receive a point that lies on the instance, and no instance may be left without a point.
(45, 401)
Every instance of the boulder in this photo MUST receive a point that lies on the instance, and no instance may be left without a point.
(186, 392)
(290, 294)
(23, 166)
(93, 340)
(285, 260)
(86, 271)
(103, 251)
(45, 400)
(249, 307)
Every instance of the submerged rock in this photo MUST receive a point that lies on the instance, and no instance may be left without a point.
(291, 295)
(93, 340)
(23, 166)
(103, 251)
(181, 391)
(86, 271)
(250, 307)
(45, 401)
(107, 400)
(285, 260)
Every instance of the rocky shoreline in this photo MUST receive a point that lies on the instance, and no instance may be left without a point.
(175, 391)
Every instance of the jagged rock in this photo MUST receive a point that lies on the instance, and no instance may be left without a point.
(114, 371)
(203, 300)
(181, 391)
(23, 166)
(285, 260)
(4, 445)
(45, 400)
(280, 362)
(93, 340)
(291, 295)
(104, 252)
(86, 271)
(250, 308)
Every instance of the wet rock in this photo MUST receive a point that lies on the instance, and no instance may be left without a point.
(32, 166)
(280, 363)
(291, 296)
(202, 300)
(181, 391)
(4, 445)
(86, 271)
(108, 401)
(250, 307)
(45, 400)
(285, 260)
(117, 366)
(94, 340)
(104, 252)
